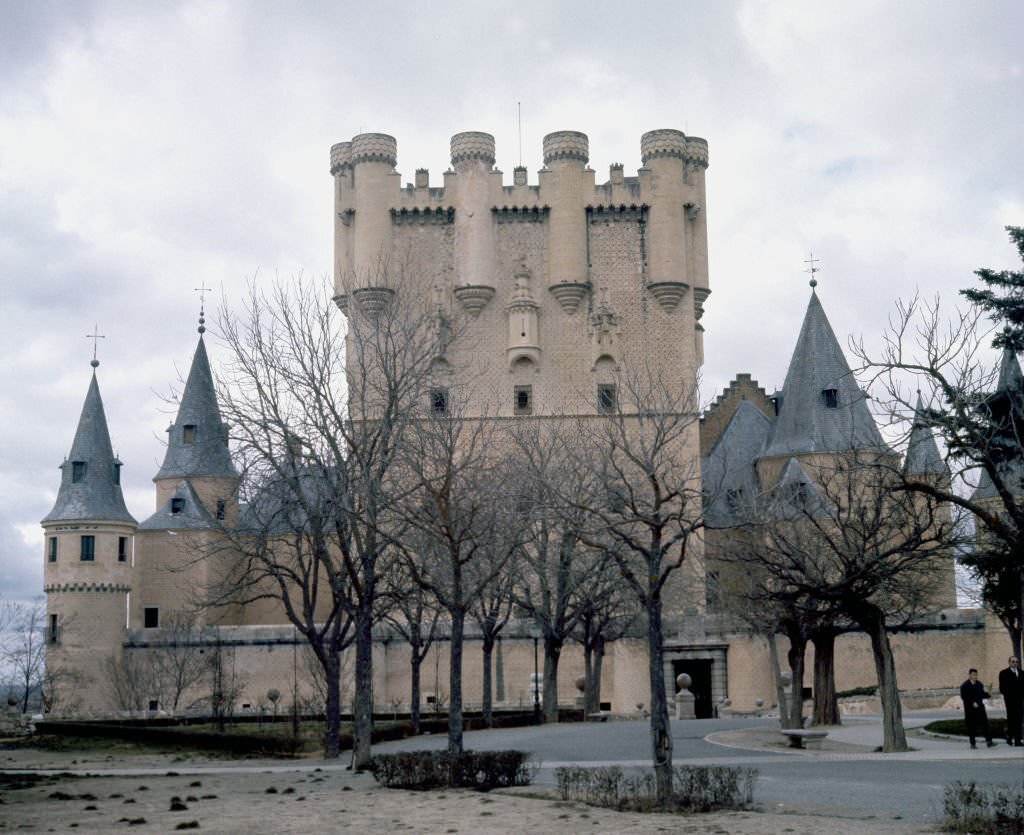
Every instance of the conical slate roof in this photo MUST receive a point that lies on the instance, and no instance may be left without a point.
(197, 441)
(1009, 391)
(90, 483)
(923, 456)
(810, 418)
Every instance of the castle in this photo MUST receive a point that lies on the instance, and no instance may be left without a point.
(561, 284)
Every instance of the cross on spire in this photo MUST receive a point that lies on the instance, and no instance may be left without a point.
(202, 290)
(95, 336)
(812, 269)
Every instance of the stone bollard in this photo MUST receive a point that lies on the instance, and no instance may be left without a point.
(684, 698)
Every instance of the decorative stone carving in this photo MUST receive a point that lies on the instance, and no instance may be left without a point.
(700, 295)
(569, 294)
(374, 147)
(523, 330)
(473, 145)
(341, 157)
(566, 144)
(474, 297)
(668, 293)
(373, 300)
(604, 328)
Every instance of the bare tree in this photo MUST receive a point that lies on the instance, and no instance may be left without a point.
(318, 422)
(646, 511)
(491, 609)
(459, 506)
(849, 542)
(23, 651)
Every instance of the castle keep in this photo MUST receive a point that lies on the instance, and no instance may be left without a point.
(559, 285)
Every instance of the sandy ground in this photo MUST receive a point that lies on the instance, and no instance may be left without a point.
(328, 801)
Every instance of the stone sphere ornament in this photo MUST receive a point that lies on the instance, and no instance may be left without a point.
(581, 683)
(683, 681)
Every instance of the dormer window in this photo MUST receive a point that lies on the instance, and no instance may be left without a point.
(188, 433)
(177, 506)
(77, 471)
(831, 398)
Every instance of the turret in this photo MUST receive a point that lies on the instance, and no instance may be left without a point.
(197, 443)
(341, 170)
(374, 156)
(473, 159)
(88, 552)
(566, 154)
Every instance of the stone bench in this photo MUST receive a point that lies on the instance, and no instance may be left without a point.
(804, 738)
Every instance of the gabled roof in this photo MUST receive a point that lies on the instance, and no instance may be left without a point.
(794, 493)
(206, 452)
(728, 470)
(806, 422)
(923, 456)
(92, 489)
(192, 515)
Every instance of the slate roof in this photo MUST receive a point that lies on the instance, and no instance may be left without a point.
(729, 474)
(207, 454)
(805, 422)
(97, 494)
(923, 456)
(1010, 387)
(192, 515)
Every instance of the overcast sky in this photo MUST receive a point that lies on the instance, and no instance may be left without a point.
(149, 148)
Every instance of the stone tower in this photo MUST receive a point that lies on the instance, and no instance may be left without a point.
(559, 284)
(88, 558)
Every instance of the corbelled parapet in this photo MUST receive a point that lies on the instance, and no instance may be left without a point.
(374, 147)
(667, 142)
(566, 145)
(473, 145)
(341, 157)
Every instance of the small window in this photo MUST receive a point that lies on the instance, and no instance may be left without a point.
(188, 433)
(151, 617)
(776, 403)
(439, 401)
(154, 704)
(88, 548)
(524, 400)
(177, 505)
(52, 549)
(52, 632)
(831, 398)
(77, 471)
(606, 399)
(122, 549)
(117, 472)
(220, 509)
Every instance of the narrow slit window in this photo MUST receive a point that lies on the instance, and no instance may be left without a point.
(524, 400)
(606, 398)
(151, 617)
(52, 549)
(53, 634)
(221, 509)
(122, 549)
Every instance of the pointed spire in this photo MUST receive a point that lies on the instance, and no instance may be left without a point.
(1011, 381)
(197, 441)
(923, 456)
(823, 408)
(90, 484)
(1005, 407)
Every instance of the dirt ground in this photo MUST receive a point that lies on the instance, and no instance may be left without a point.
(261, 801)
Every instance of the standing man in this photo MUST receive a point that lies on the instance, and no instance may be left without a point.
(973, 695)
(1012, 688)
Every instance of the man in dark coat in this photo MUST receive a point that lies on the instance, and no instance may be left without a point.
(973, 695)
(1011, 686)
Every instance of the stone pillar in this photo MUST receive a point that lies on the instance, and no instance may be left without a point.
(565, 157)
(473, 159)
(373, 159)
(685, 700)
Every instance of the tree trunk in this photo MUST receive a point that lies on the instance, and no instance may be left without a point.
(780, 690)
(488, 705)
(332, 731)
(362, 708)
(594, 683)
(455, 683)
(1014, 633)
(894, 736)
(796, 658)
(414, 695)
(552, 655)
(661, 736)
(826, 706)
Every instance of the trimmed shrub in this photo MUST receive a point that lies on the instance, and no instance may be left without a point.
(983, 810)
(695, 789)
(480, 770)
